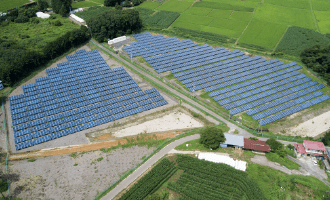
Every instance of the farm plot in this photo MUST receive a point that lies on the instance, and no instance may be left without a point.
(265, 90)
(241, 16)
(220, 14)
(198, 11)
(297, 39)
(83, 4)
(262, 33)
(302, 4)
(149, 5)
(223, 6)
(225, 27)
(283, 15)
(321, 5)
(161, 19)
(7, 5)
(92, 12)
(323, 20)
(194, 19)
(175, 6)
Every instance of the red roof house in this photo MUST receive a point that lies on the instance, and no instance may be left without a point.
(310, 148)
(256, 145)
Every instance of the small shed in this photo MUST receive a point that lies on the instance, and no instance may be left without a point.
(233, 140)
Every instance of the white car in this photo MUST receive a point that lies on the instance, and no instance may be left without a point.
(314, 162)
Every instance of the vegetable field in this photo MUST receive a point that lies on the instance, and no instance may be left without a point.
(149, 5)
(175, 6)
(151, 181)
(83, 4)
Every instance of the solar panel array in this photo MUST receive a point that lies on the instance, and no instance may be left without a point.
(148, 45)
(266, 90)
(76, 95)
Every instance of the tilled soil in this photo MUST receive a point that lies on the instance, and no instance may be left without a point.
(64, 177)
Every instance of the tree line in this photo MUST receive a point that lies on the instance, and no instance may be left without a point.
(317, 58)
(17, 62)
(114, 23)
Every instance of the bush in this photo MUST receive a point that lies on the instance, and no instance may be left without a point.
(21, 19)
(274, 145)
(52, 17)
(34, 20)
(58, 23)
(290, 146)
(211, 137)
(24, 36)
(253, 138)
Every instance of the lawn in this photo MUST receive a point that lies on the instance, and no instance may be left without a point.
(262, 33)
(175, 6)
(241, 16)
(39, 33)
(220, 14)
(278, 185)
(283, 15)
(321, 5)
(198, 11)
(10, 4)
(302, 4)
(323, 20)
(83, 4)
(149, 5)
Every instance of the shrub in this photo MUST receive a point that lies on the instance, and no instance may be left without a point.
(34, 20)
(274, 145)
(52, 17)
(24, 36)
(211, 137)
(253, 138)
(21, 19)
(290, 146)
(58, 23)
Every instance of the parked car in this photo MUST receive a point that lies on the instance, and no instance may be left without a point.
(314, 162)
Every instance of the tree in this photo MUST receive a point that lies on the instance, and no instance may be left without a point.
(61, 6)
(42, 5)
(211, 137)
(275, 146)
(3, 186)
(127, 3)
(136, 2)
(62, 11)
(290, 146)
(326, 139)
(118, 7)
(110, 2)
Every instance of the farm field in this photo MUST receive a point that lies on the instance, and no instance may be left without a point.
(10, 4)
(83, 4)
(92, 12)
(150, 5)
(186, 177)
(264, 22)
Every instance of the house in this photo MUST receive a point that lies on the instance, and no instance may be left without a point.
(233, 140)
(258, 145)
(310, 148)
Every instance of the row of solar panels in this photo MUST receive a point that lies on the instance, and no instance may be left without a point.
(293, 110)
(262, 95)
(44, 135)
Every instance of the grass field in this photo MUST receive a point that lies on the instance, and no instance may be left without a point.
(321, 5)
(83, 4)
(302, 4)
(92, 12)
(323, 20)
(198, 11)
(220, 14)
(262, 33)
(283, 15)
(39, 33)
(241, 16)
(223, 6)
(10, 4)
(149, 5)
(227, 27)
(195, 19)
(175, 6)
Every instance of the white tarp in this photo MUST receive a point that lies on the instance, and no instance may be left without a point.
(118, 39)
(75, 17)
(76, 10)
(237, 164)
(42, 15)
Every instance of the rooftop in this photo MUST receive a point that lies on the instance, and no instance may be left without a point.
(314, 145)
(256, 145)
(300, 148)
(234, 140)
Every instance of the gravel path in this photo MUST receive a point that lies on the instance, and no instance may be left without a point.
(57, 178)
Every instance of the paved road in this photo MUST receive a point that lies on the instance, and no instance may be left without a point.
(124, 183)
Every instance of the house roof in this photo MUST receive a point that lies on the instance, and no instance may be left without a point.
(256, 145)
(234, 140)
(314, 145)
(299, 147)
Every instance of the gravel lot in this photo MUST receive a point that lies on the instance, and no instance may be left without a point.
(56, 177)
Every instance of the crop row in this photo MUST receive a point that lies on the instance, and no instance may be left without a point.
(151, 181)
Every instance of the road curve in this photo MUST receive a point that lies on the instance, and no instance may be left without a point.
(145, 166)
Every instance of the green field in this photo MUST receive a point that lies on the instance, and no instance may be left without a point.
(198, 11)
(92, 12)
(321, 5)
(303, 4)
(241, 16)
(323, 20)
(220, 14)
(227, 27)
(10, 4)
(175, 6)
(83, 4)
(222, 6)
(149, 5)
(194, 19)
(283, 15)
(262, 33)
(39, 34)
